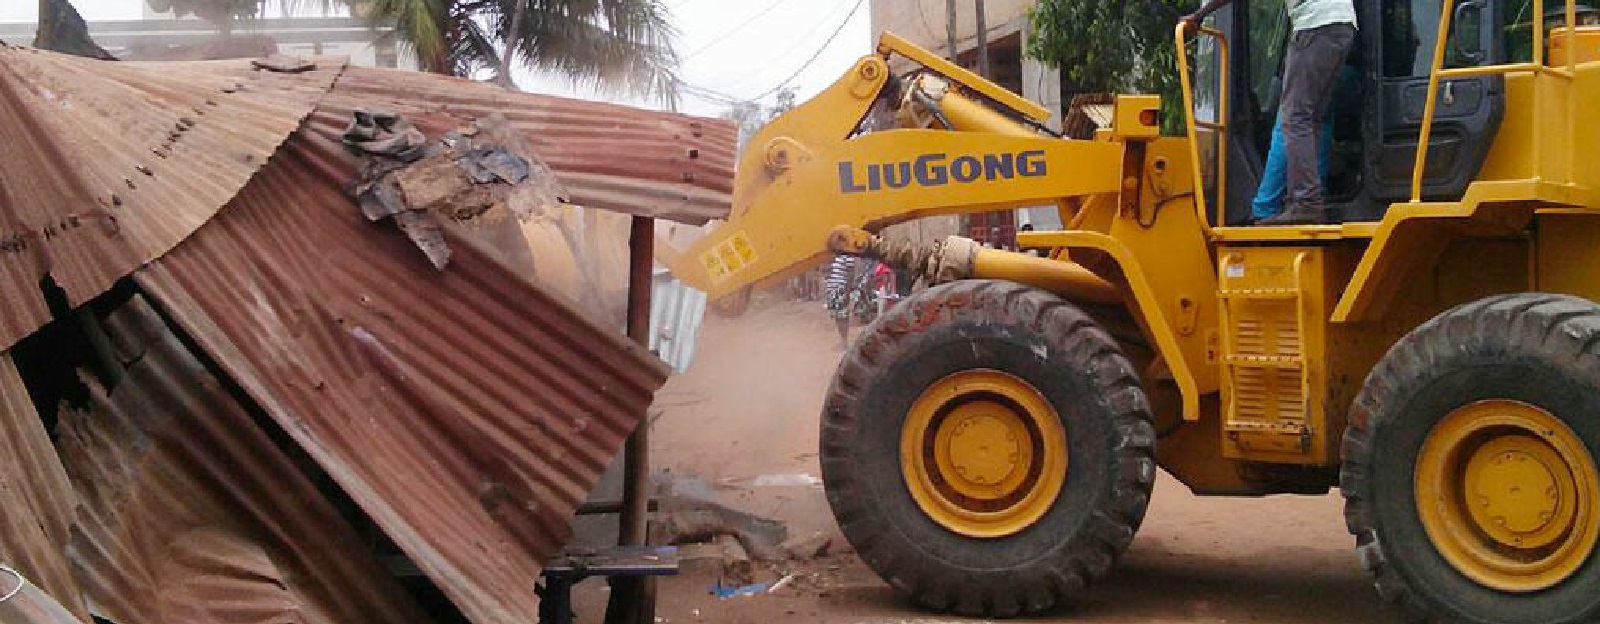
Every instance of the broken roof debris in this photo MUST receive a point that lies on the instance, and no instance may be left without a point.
(293, 381)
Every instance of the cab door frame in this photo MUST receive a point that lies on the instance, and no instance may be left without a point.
(1469, 109)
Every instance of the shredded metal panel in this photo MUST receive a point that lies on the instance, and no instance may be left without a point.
(465, 411)
(110, 164)
(189, 513)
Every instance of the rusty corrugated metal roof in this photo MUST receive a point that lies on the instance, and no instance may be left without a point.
(110, 164)
(32, 605)
(126, 159)
(609, 156)
(190, 513)
(465, 411)
(37, 504)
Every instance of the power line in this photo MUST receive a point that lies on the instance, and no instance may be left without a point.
(801, 42)
(785, 82)
(735, 30)
(710, 95)
(717, 97)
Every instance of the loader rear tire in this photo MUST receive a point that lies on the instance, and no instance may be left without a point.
(1036, 408)
(1469, 465)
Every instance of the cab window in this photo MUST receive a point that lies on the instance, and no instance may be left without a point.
(1411, 28)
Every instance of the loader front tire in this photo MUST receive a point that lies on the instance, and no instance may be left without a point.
(987, 449)
(1469, 465)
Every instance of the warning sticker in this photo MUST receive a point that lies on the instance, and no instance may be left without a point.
(728, 257)
(714, 266)
(741, 247)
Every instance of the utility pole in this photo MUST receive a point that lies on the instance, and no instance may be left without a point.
(983, 41)
(950, 31)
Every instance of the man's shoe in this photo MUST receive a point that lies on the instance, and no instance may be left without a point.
(1299, 214)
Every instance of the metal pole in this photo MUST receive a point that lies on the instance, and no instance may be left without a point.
(635, 488)
(983, 41)
(950, 31)
(633, 599)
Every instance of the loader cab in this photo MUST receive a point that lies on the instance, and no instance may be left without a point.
(1377, 105)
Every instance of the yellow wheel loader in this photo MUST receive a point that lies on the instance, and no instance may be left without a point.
(988, 445)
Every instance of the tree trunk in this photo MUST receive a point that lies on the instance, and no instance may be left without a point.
(511, 40)
(62, 29)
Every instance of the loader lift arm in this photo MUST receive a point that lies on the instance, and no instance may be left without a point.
(876, 149)
(815, 168)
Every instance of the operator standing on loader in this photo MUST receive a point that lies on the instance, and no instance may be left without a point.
(1324, 31)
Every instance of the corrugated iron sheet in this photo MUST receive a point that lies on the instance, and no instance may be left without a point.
(108, 164)
(189, 513)
(609, 156)
(126, 159)
(676, 313)
(37, 504)
(33, 605)
(465, 411)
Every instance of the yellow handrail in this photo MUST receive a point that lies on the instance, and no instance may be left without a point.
(1438, 72)
(1220, 126)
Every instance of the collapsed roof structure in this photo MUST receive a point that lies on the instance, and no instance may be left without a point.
(226, 395)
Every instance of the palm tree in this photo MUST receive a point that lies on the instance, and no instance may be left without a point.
(625, 46)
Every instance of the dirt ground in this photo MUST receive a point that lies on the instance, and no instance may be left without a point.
(741, 425)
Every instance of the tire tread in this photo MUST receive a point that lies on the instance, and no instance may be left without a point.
(1510, 319)
(1051, 580)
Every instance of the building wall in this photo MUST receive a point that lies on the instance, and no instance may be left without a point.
(923, 23)
(162, 37)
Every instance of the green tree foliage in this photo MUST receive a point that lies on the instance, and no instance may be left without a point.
(625, 46)
(1110, 46)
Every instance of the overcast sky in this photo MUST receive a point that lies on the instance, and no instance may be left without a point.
(742, 48)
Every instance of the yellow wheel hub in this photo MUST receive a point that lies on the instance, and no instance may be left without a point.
(1509, 495)
(983, 453)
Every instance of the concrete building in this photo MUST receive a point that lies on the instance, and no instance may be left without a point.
(1007, 28)
(923, 22)
(161, 36)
